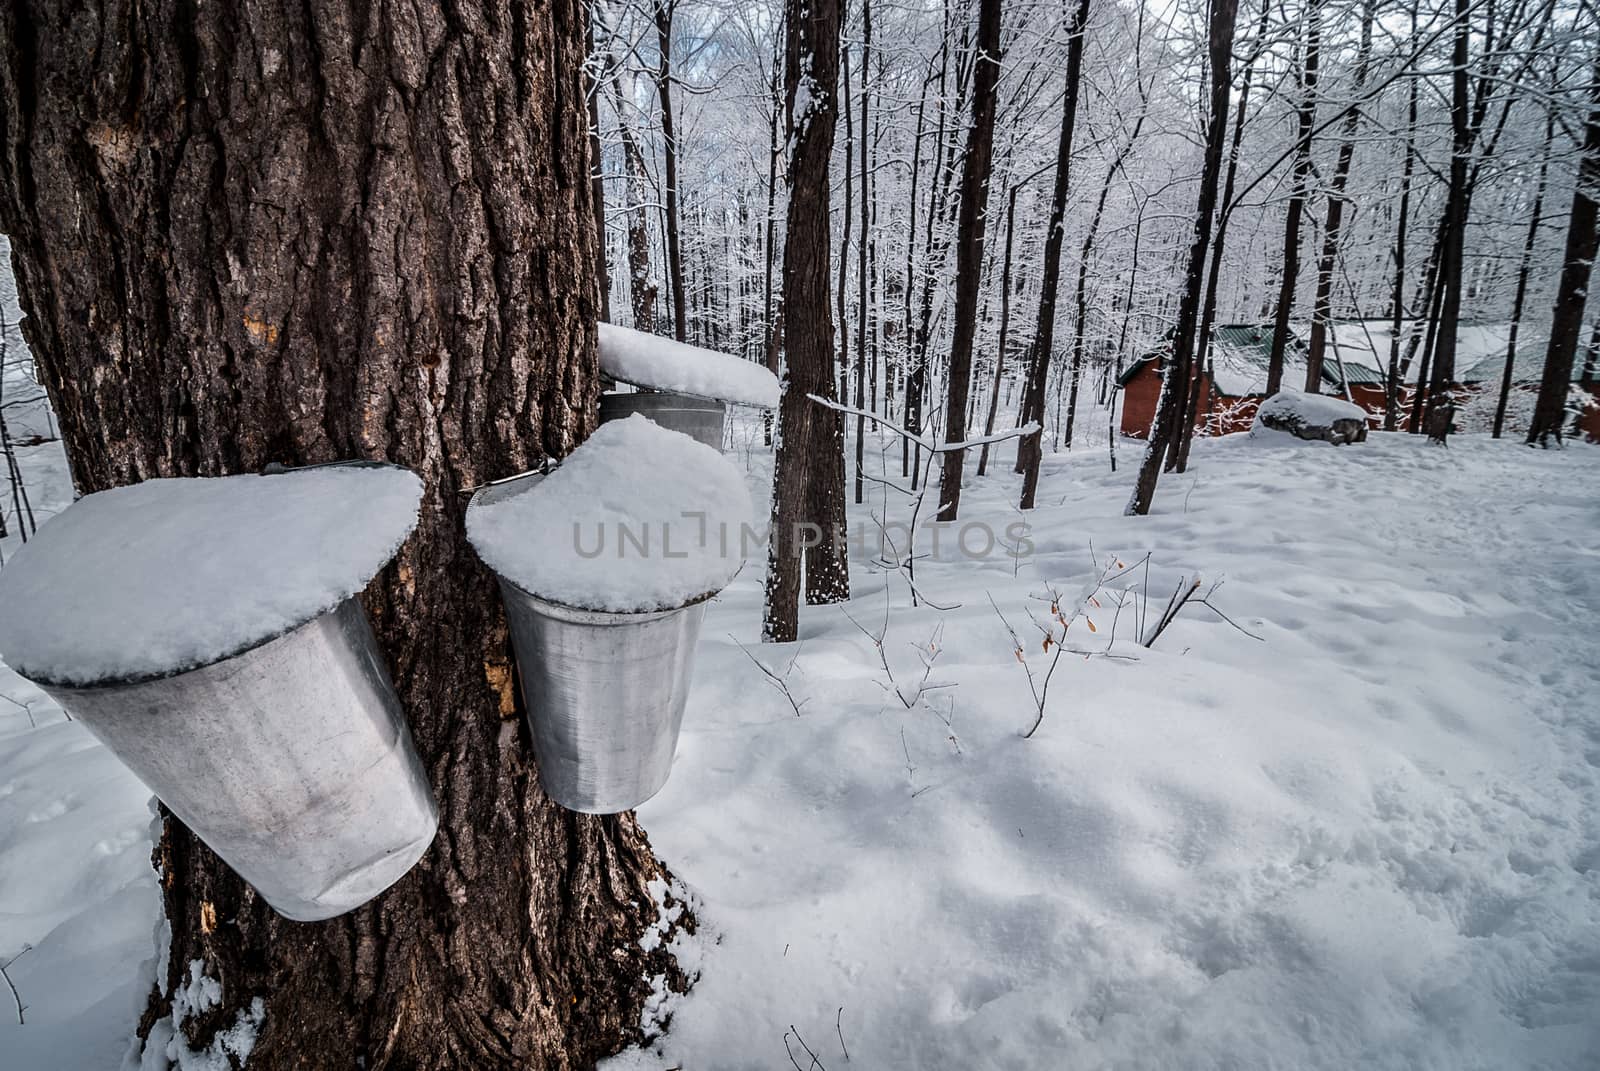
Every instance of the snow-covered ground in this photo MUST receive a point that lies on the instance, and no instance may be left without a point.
(1369, 838)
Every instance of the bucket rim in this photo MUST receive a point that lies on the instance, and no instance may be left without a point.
(270, 469)
(721, 403)
(584, 615)
(114, 683)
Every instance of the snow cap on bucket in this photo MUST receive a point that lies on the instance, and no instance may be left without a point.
(636, 519)
(657, 363)
(167, 575)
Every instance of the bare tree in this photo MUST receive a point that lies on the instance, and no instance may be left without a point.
(806, 448)
(669, 148)
(1310, 52)
(1224, 14)
(1322, 309)
(1577, 265)
(1030, 451)
(969, 249)
(1535, 211)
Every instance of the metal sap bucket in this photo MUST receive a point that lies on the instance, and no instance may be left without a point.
(605, 694)
(702, 419)
(604, 691)
(292, 761)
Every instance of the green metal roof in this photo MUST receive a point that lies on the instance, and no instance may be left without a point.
(1240, 355)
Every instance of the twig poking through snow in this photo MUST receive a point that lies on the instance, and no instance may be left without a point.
(837, 1017)
(1181, 597)
(5, 972)
(780, 683)
(815, 1062)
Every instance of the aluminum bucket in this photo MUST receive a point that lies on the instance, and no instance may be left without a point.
(701, 419)
(292, 761)
(605, 694)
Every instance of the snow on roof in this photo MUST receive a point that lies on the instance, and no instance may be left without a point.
(162, 576)
(637, 518)
(1239, 354)
(1364, 345)
(646, 360)
(1485, 360)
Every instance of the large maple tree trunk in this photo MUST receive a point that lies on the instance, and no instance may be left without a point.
(325, 231)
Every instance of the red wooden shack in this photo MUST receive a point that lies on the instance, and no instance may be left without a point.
(1235, 378)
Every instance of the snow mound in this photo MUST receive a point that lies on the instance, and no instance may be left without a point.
(1292, 408)
(167, 575)
(638, 518)
(646, 360)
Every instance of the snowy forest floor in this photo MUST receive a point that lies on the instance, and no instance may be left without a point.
(1370, 837)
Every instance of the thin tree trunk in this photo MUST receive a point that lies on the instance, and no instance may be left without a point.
(641, 289)
(1297, 199)
(228, 261)
(1223, 16)
(769, 320)
(806, 454)
(844, 243)
(1431, 331)
(1033, 398)
(1081, 295)
(861, 266)
(1508, 376)
(1577, 264)
(937, 240)
(597, 172)
(913, 414)
(1322, 308)
(1391, 393)
(1208, 310)
(669, 147)
(1456, 210)
(970, 228)
(1005, 316)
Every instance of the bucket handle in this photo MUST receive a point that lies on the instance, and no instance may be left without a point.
(546, 466)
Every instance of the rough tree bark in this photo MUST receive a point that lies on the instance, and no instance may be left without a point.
(969, 249)
(1583, 243)
(1033, 396)
(811, 75)
(314, 232)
